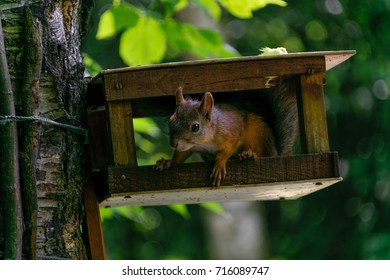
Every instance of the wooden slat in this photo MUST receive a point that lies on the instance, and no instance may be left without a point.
(263, 179)
(265, 170)
(122, 133)
(98, 139)
(312, 114)
(92, 223)
(276, 171)
(259, 192)
(199, 78)
(332, 58)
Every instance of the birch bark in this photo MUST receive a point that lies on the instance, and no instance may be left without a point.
(46, 69)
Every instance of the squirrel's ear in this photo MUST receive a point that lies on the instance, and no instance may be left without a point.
(179, 96)
(207, 104)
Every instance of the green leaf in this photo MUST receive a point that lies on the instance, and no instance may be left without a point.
(179, 35)
(180, 209)
(144, 43)
(203, 43)
(244, 8)
(92, 66)
(132, 213)
(213, 207)
(106, 28)
(116, 19)
(213, 44)
(146, 126)
(173, 6)
(105, 214)
(181, 4)
(211, 37)
(259, 4)
(211, 7)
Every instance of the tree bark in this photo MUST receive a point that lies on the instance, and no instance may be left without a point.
(43, 49)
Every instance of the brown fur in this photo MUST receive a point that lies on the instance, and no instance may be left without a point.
(258, 137)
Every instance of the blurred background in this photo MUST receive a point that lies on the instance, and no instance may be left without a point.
(349, 220)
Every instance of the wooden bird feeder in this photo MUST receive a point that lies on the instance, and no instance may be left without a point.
(117, 96)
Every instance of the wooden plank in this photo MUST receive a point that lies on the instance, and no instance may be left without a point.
(127, 181)
(120, 116)
(92, 228)
(199, 78)
(259, 192)
(98, 139)
(333, 58)
(312, 114)
(264, 170)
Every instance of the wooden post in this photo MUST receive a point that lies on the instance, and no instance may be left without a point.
(92, 222)
(121, 128)
(120, 116)
(312, 115)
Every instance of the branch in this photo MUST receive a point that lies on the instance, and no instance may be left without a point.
(30, 131)
(9, 165)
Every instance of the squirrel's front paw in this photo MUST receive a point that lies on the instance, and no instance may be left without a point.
(247, 154)
(217, 176)
(162, 164)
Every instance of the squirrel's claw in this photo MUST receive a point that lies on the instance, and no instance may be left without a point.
(247, 154)
(162, 164)
(217, 175)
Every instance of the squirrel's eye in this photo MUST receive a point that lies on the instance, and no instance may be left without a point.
(195, 127)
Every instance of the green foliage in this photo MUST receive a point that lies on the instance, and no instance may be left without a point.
(92, 66)
(146, 33)
(117, 19)
(145, 36)
(180, 209)
(187, 38)
(173, 6)
(153, 233)
(211, 7)
(244, 8)
(144, 43)
(149, 150)
(213, 207)
(241, 9)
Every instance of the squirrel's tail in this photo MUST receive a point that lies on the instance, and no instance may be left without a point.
(285, 111)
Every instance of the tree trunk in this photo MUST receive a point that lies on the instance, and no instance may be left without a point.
(46, 69)
(239, 234)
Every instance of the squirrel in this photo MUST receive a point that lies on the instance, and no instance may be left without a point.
(221, 131)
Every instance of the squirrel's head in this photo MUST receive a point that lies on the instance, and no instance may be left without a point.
(190, 125)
